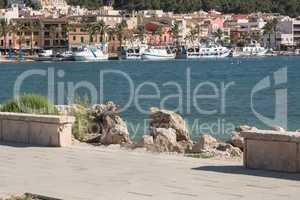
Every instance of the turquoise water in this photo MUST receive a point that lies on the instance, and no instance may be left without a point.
(207, 77)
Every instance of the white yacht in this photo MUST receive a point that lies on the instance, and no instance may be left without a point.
(91, 53)
(210, 50)
(254, 49)
(159, 53)
(135, 52)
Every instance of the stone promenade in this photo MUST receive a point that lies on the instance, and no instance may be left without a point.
(83, 172)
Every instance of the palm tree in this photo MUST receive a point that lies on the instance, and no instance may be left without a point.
(99, 28)
(198, 30)
(140, 31)
(268, 30)
(175, 31)
(119, 31)
(191, 35)
(4, 29)
(274, 26)
(34, 26)
(219, 35)
(20, 27)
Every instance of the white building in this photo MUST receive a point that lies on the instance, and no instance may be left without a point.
(278, 41)
(284, 36)
(12, 12)
(296, 31)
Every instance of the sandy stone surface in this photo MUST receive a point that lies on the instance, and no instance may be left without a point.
(84, 172)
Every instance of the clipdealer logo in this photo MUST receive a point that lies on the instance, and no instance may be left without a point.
(278, 82)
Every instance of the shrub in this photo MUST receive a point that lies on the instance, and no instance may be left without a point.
(82, 118)
(30, 104)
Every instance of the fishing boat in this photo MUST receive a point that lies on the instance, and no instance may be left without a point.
(91, 53)
(134, 52)
(207, 50)
(159, 53)
(254, 49)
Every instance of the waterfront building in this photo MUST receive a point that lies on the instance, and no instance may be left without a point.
(158, 34)
(296, 31)
(34, 33)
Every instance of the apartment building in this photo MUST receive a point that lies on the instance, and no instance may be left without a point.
(34, 33)
(296, 31)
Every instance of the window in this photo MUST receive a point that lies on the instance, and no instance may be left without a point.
(10, 42)
(55, 42)
(74, 38)
(47, 34)
(36, 33)
(47, 42)
(81, 39)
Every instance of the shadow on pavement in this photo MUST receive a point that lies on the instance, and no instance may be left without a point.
(21, 145)
(243, 171)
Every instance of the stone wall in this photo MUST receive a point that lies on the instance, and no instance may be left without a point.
(44, 130)
(272, 150)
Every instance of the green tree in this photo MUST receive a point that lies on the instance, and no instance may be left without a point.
(219, 35)
(269, 30)
(4, 29)
(119, 31)
(175, 30)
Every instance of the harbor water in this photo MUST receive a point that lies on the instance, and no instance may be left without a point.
(213, 95)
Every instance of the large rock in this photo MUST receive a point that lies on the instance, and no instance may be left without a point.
(236, 140)
(204, 142)
(112, 129)
(165, 139)
(168, 119)
(184, 146)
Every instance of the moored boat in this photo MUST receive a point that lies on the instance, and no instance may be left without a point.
(135, 52)
(208, 50)
(91, 53)
(254, 49)
(159, 53)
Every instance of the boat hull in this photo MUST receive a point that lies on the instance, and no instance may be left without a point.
(158, 57)
(199, 56)
(78, 57)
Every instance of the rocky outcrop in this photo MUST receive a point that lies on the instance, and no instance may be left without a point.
(169, 132)
(205, 141)
(146, 141)
(236, 140)
(168, 119)
(209, 145)
(110, 127)
(165, 139)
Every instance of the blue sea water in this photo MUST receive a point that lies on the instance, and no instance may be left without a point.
(212, 95)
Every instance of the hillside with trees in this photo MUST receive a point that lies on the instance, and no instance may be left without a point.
(285, 7)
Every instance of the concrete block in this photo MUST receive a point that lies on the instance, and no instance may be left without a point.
(44, 134)
(45, 130)
(15, 131)
(270, 155)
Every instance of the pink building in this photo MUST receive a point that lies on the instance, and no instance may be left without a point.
(216, 23)
(156, 37)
